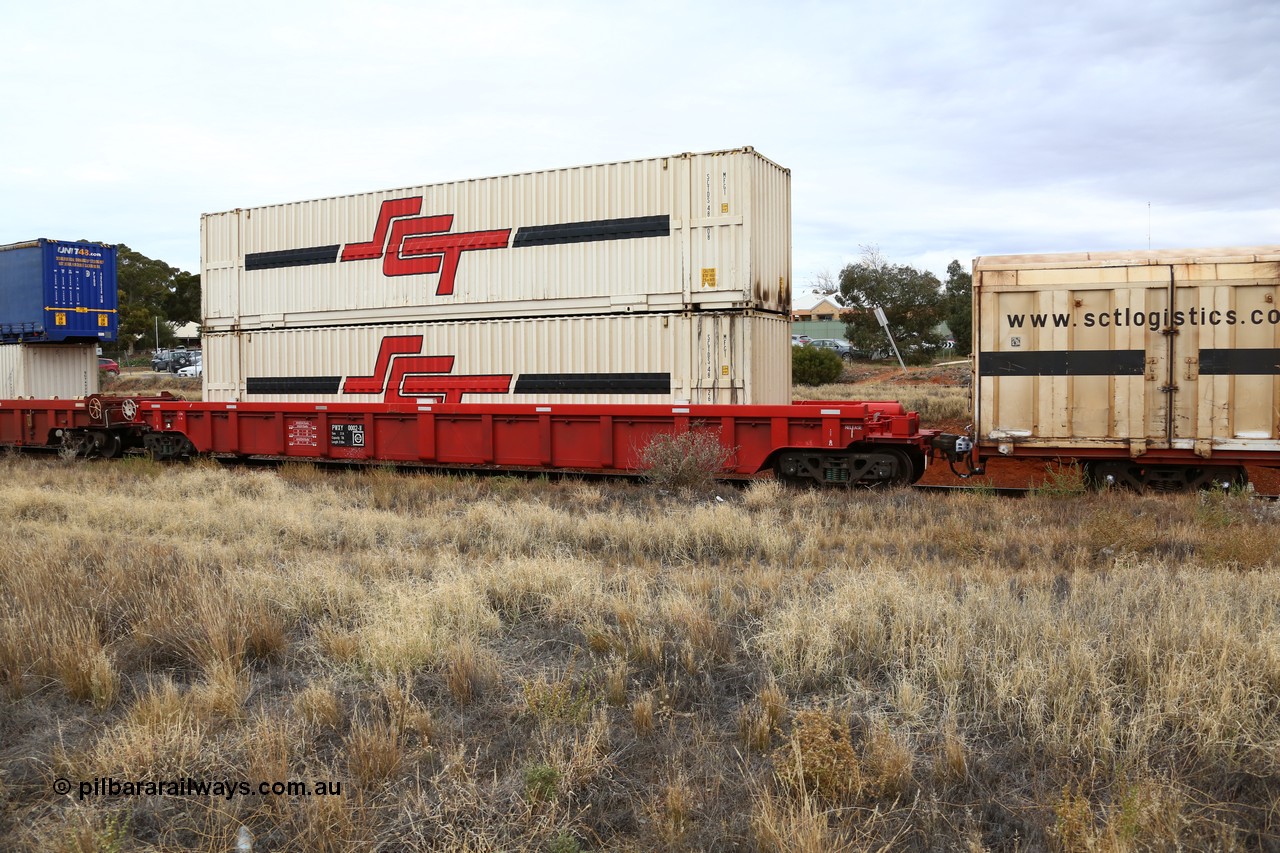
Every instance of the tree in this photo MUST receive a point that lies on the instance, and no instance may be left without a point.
(824, 284)
(151, 290)
(957, 297)
(183, 303)
(911, 300)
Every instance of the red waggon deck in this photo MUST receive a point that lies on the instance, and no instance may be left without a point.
(833, 442)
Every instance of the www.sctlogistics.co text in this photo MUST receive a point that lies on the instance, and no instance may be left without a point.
(1154, 320)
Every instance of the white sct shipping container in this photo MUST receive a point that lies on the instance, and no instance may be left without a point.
(728, 357)
(691, 231)
(1176, 349)
(48, 371)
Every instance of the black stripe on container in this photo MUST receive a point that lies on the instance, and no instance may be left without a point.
(292, 384)
(291, 258)
(1228, 362)
(585, 232)
(593, 383)
(1128, 362)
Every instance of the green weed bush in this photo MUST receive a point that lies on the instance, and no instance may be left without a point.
(814, 366)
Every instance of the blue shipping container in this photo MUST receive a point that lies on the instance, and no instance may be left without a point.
(54, 290)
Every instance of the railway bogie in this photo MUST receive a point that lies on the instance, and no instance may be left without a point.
(1127, 474)
(858, 465)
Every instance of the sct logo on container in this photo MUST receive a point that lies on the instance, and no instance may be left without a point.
(409, 244)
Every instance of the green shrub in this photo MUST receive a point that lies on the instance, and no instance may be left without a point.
(815, 365)
(540, 782)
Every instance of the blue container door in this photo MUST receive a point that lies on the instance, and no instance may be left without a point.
(80, 288)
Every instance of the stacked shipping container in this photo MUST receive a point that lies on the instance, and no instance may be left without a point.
(58, 300)
(707, 357)
(48, 371)
(58, 291)
(656, 280)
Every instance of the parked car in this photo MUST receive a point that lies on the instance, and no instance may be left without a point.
(800, 340)
(841, 348)
(196, 368)
(172, 360)
(109, 366)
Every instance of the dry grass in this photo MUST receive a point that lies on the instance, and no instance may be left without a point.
(499, 664)
(935, 403)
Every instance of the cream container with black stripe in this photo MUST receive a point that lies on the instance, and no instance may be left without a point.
(688, 232)
(1140, 351)
(723, 357)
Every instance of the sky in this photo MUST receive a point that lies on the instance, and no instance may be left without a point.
(929, 131)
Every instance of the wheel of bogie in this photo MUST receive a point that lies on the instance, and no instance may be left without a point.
(105, 444)
(1225, 478)
(905, 469)
(793, 471)
(792, 481)
(917, 464)
(167, 445)
(1112, 474)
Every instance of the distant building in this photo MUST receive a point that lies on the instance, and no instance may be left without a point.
(824, 311)
(188, 335)
(820, 321)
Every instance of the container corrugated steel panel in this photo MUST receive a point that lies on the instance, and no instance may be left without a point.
(721, 357)
(692, 231)
(48, 371)
(56, 290)
(1174, 349)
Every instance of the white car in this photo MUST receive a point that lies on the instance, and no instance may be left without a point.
(194, 369)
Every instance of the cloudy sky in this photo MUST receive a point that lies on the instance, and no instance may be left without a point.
(931, 130)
